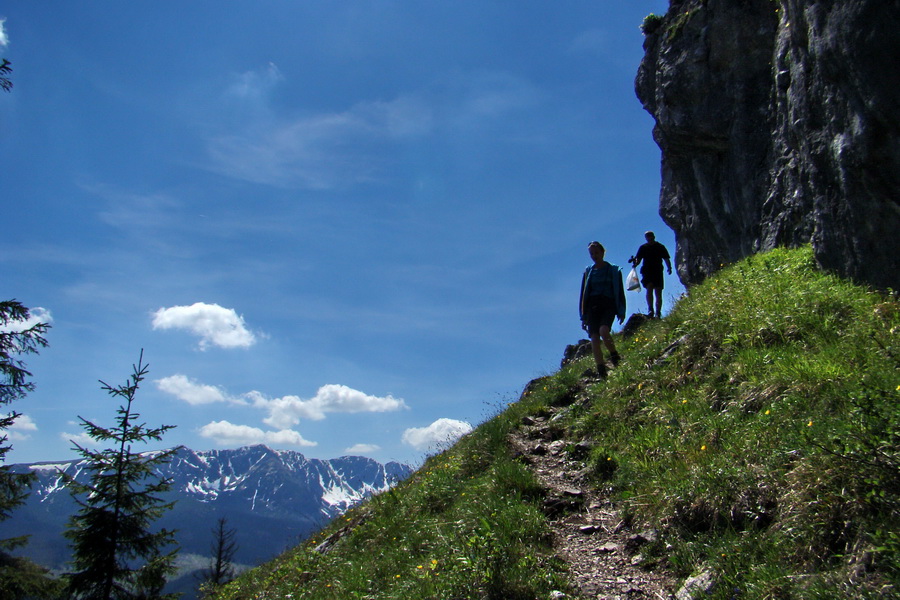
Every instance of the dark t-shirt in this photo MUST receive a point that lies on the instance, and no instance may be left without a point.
(652, 254)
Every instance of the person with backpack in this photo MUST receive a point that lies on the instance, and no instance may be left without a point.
(653, 254)
(602, 300)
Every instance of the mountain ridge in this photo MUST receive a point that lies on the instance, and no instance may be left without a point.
(272, 498)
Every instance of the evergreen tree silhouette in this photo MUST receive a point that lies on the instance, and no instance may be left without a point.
(116, 555)
(220, 570)
(19, 335)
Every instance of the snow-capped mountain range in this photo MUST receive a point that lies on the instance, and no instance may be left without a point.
(271, 498)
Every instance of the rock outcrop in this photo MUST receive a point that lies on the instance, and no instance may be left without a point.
(778, 125)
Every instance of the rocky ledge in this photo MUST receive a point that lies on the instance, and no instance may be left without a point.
(778, 125)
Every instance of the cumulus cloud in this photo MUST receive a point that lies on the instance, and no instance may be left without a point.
(224, 433)
(441, 432)
(19, 430)
(214, 324)
(191, 391)
(332, 398)
(36, 316)
(362, 449)
(24, 423)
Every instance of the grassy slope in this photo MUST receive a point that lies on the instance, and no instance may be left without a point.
(756, 427)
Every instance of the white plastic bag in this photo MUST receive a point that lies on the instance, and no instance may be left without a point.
(632, 283)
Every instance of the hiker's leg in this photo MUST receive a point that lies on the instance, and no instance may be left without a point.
(658, 302)
(607, 339)
(650, 300)
(598, 351)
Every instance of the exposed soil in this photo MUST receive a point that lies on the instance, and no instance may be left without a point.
(602, 552)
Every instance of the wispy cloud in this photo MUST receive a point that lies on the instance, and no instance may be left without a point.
(319, 151)
(439, 433)
(255, 86)
(591, 41)
(4, 37)
(132, 212)
(224, 433)
(214, 324)
(331, 398)
(489, 96)
(325, 150)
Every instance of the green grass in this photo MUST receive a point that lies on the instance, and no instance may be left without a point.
(763, 446)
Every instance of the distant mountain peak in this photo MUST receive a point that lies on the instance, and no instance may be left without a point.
(272, 498)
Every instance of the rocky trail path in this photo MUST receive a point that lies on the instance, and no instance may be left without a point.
(603, 553)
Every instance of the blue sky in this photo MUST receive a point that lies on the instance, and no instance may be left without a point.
(333, 227)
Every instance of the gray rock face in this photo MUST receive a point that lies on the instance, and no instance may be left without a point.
(778, 125)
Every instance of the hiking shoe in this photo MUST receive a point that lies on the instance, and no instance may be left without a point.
(614, 358)
(601, 371)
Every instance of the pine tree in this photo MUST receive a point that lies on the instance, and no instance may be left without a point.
(5, 70)
(116, 555)
(223, 549)
(22, 579)
(17, 337)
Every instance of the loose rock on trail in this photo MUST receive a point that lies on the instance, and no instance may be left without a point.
(603, 554)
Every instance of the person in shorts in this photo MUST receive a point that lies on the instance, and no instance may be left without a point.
(652, 254)
(602, 300)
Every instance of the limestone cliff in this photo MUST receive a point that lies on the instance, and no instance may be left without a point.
(778, 125)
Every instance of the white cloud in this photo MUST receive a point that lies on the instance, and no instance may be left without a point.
(18, 431)
(224, 433)
(288, 410)
(215, 325)
(36, 316)
(439, 433)
(4, 38)
(82, 439)
(191, 391)
(362, 449)
(24, 423)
